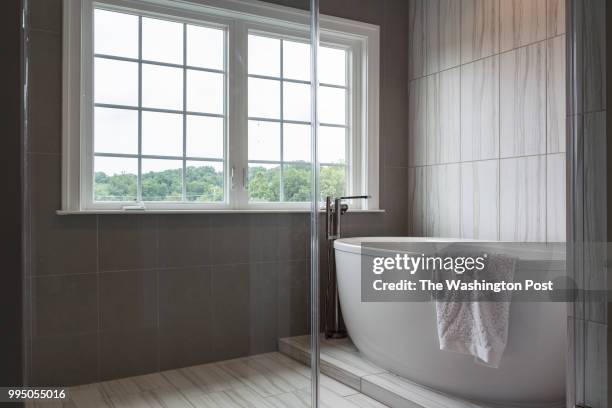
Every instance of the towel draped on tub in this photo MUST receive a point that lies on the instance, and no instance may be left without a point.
(469, 325)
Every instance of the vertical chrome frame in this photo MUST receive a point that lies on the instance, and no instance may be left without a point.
(314, 208)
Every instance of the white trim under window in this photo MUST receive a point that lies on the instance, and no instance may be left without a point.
(237, 19)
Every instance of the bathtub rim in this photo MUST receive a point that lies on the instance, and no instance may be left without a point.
(552, 254)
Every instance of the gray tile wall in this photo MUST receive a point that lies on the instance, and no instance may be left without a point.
(120, 295)
(487, 119)
(589, 336)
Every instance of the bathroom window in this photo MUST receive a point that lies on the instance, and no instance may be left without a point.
(159, 113)
(280, 121)
(179, 106)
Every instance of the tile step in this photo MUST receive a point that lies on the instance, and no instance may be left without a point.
(341, 361)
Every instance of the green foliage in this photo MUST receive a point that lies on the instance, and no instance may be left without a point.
(297, 182)
(120, 187)
(332, 181)
(205, 184)
(264, 184)
(164, 185)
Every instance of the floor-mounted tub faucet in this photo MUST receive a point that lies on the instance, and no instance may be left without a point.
(333, 214)
(334, 209)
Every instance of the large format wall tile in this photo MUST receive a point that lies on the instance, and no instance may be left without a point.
(46, 15)
(432, 36)
(443, 117)
(237, 238)
(443, 201)
(127, 242)
(64, 305)
(450, 33)
(263, 306)
(594, 55)
(128, 353)
(416, 38)
(595, 212)
(128, 301)
(479, 29)
(184, 240)
(555, 95)
(394, 201)
(480, 200)
(555, 24)
(480, 109)
(293, 237)
(522, 22)
(293, 298)
(53, 238)
(185, 297)
(185, 317)
(191, 345)
(45, 92)
(523, 101)
(523, 199)
(65, 360)
(230, 305)
(417, 122)
(417, 203)
(555, 197)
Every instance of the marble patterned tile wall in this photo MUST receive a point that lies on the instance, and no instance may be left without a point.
(443, 208)
(480, 200)
(522, 22)
(480, 109)
(523, 199)
(416, 200)
(479, 29)
(417, 122)
(523, 101)
(487, 111)
(443, 112)
(556, 98)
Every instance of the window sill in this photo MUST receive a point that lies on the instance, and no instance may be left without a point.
(129, 212)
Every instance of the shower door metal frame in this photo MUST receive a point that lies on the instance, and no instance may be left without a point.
(314, 208)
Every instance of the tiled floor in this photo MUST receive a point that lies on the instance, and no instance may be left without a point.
(341, 360)
(267, 380)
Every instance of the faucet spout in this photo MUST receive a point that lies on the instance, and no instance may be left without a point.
(334, 211)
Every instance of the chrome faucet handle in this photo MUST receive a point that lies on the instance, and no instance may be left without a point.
(363, 197)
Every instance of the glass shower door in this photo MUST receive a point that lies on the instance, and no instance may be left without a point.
(183, 262)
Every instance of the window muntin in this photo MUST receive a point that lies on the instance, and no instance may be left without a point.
(279, 120)
(159, 110)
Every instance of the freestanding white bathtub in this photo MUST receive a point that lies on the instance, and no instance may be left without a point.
(402, 338)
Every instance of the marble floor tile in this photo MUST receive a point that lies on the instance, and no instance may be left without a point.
(339, 359)
(270, 380)
(246, 397)
(260, 380)
(289, 400)
(326, 381)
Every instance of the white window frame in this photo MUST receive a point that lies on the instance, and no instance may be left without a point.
(238, 18)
